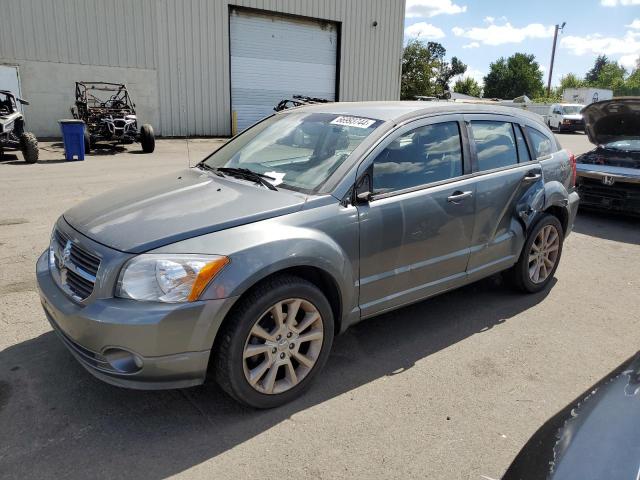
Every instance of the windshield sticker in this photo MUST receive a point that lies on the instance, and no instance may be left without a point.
(277, 178)
(357, 122)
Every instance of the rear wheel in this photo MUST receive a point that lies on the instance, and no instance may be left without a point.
(147, 138)
(29, 147)
(539, 257)
(275, 342)
(87, 141)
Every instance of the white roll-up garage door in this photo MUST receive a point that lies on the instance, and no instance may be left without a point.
(274, 57)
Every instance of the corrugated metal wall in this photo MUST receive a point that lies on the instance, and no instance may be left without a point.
(187, 43)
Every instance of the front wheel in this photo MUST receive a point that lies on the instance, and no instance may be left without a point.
(29, 147)
(275, 342)
(147, 138)
(539, 257)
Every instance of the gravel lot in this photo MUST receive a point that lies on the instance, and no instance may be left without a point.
(448, 388)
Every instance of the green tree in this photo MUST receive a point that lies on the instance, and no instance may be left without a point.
(631, 86)
(425, 70)
(447, 71)
(610, 76)
(517, 75)
(468, 86)
(593, 74)
(571, 80)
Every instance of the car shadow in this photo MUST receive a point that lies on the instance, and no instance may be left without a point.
(57, 420)
(608, 226)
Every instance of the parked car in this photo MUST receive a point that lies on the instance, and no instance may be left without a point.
(566, 117)
(609, 175)
(596, 436)
(306, 223)
(13, 134)
(110, 116)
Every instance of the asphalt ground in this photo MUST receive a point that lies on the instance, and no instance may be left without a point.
(450, 388)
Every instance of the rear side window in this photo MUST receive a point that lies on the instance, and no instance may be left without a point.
(540, 143)
(495, 144)
(523, 150)
(427, 154)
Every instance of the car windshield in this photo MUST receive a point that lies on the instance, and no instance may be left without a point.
(571, 109)
(626, 145)
(298, 150)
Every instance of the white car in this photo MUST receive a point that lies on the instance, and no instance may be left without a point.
(566, 117)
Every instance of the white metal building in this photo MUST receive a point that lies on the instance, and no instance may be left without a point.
(190, 64)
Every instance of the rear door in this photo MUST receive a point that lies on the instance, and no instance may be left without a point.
(507, 178)
(415, 232)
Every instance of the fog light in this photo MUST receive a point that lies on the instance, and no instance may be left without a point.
(123, 361)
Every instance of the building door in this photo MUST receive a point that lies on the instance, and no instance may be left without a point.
(274, 57)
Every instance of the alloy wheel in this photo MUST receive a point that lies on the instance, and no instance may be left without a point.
(544, 253)
(283, 346)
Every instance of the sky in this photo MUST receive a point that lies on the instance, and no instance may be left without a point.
(479, 32)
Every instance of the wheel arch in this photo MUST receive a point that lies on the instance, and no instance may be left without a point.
(319, 277)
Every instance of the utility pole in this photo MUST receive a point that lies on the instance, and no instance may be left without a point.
(553, 55)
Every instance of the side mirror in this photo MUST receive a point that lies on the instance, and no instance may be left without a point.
(364, 197)
(363, 190)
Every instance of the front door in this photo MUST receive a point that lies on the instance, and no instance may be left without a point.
(415, 230)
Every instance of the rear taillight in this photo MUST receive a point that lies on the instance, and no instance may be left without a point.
(574, 168)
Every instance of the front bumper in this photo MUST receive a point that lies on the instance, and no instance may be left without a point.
(622, 196)
(143, 345)
(571, 127)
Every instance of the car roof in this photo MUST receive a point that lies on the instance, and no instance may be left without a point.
(397, 111)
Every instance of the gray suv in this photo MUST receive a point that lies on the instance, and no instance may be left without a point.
(246, 266)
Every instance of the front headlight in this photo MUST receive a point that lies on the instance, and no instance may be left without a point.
(168, 278)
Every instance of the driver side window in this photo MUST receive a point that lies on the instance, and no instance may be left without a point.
(427, 154)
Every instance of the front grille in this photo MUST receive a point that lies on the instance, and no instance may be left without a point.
(73, 267)
(620, 195)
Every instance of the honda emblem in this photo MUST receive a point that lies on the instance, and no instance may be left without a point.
(608, 180)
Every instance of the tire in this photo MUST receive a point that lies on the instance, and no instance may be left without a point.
(29, 147)
(147, 138)
(87, 141)
(233, 369)
(520, 275)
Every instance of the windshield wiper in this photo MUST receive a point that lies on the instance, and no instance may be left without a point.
(204, 166)
(247, 174)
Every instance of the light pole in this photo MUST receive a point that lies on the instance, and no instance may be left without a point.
(553, 55)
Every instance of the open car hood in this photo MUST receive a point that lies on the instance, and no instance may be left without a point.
(614, 119)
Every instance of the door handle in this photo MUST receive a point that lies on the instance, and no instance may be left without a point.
(532, 177)
(458, 196)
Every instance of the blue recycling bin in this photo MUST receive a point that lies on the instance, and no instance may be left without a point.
(73, 137)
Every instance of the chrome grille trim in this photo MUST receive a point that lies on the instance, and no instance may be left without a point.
(73, 268)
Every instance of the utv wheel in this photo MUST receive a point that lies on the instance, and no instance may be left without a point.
(540, 256)
(147, 138)
(29, 147)
(87, 141)
(274, 343)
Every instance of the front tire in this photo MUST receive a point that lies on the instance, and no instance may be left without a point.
(29, 147)
(274, 343)
(540, 256)
(147, 138)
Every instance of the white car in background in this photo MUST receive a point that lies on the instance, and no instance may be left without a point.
(566, 117)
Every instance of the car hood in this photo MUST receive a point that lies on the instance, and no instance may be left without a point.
(614, 119)
(595, 436)
(174, 207)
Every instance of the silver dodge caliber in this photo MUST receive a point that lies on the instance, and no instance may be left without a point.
(248, 264)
